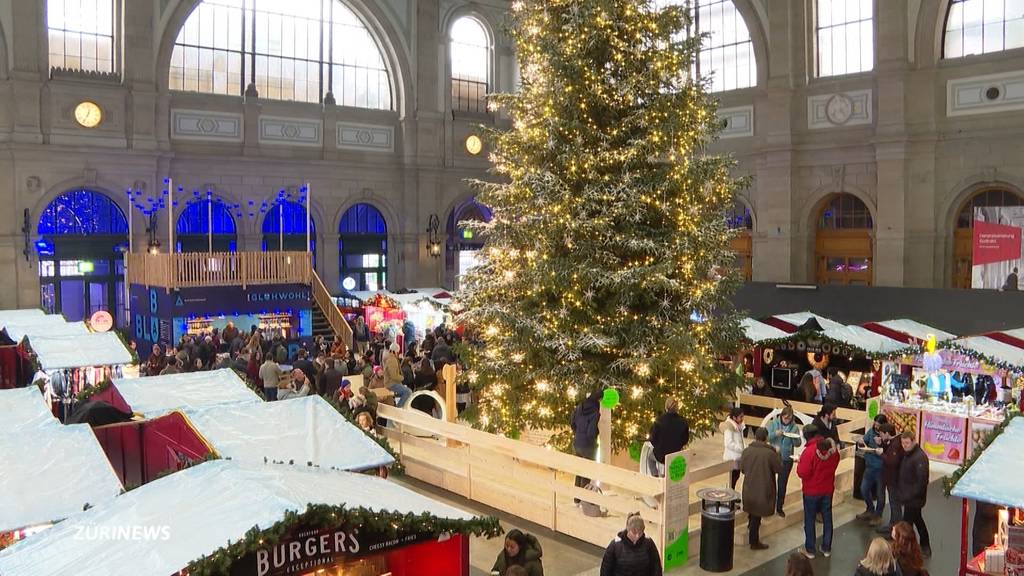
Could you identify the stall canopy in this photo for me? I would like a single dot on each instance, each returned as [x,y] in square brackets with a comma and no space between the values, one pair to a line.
[908,331]
[17,331]
[50,473]
[989,350]
[154,396]
[201,509]
[11,316]
[306,431]
[792,322]
[864,340]
[757,331]
[23,409]
[995,476]
[95,349]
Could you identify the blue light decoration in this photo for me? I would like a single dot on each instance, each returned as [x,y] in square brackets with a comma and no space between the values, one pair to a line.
[293,219]
[82,212]
[362,219]
[194,219]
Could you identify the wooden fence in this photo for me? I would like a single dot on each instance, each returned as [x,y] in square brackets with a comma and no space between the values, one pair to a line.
[203,269]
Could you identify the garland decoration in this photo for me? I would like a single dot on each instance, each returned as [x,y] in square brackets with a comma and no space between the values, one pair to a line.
[835,347]
[984,358]
[324,516]
[87,393]
[949,482]
[397,469]
[381,300]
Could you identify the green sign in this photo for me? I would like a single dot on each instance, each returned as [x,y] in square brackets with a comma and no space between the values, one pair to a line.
[85,267]
[677,553]
[677,469]
[467,234]
[610,398]
[873,408]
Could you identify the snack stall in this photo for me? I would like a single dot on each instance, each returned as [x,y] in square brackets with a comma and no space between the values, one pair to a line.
[754,333]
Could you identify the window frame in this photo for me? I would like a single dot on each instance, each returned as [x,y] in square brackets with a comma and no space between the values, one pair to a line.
[963,56]
[116,57]
[815,45]
[489,83]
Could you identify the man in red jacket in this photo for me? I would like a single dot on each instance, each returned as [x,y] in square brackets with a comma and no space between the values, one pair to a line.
[817,470]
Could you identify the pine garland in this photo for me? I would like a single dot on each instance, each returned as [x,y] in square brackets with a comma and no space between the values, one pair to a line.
[846,348]
[949,482]
[87,393]
[984,358]
[324,516]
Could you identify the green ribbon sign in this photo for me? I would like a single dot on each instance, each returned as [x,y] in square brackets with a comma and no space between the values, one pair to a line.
[677,469]
[610,398]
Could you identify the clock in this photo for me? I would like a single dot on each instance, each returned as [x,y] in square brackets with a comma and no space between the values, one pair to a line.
[839,109]
[88,114]
[473,144]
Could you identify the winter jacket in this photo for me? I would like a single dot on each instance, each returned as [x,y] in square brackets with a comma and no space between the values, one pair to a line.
[622,557]
[892,457]
[828,431]
[528,558]
[912,484]
[783,444]
[669,434]
[392,370]
[872,461]
[862,571]
[817,471]
[584,425]
[760,465]
[733,439]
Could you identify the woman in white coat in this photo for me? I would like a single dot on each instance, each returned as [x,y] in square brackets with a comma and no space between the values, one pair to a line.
[732,432]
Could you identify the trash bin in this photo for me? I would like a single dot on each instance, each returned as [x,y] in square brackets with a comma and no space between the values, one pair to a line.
[717,528]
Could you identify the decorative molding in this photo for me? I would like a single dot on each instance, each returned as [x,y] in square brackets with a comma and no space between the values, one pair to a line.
[291,131]
[366,137]
[738,122]
[839,109]
[34,184]
[985,94]
[206,125]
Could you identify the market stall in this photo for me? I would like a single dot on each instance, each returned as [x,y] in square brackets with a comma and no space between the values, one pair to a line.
[15,368]
[16,332]
[154,396]
[278,520]
[993,477]
[791,323]
[754,333]
[908,331]
[24,409]
[70,364]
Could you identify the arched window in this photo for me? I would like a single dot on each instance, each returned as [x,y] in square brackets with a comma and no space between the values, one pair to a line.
[464,243]
[844,245]
[845,36]
[982,27]
[470,50]
[81,34]
[963,245]
[193,227]
[363,249]
[81,269]
[742,220]
[284,228]
[727,55]
[295,50]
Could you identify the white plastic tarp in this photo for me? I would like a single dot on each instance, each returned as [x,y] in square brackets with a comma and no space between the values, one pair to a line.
[798,318]
[23,409]
[154,396]
[995,476]
[916,329]
[1017,333]
[865,339]
[9,316]
[19,330]
[95,349]
[299,430]
[757,331]
[51,473]
[994,349]
[196,511]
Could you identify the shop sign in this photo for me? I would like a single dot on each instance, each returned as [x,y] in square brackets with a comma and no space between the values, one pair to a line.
[943,437]
[101,321]
[954,362]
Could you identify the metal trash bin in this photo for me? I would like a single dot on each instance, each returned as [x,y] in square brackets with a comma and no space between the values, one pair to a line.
[717,528]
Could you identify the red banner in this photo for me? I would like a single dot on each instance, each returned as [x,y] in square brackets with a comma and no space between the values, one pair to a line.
[995,243]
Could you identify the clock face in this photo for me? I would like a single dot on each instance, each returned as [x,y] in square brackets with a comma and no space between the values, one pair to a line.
[474,145]
[88,114]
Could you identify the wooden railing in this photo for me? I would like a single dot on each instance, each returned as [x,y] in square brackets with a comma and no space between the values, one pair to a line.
[200,270]
[323,299]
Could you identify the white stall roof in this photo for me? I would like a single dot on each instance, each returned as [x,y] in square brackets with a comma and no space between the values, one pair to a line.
[154,396]
[757,331]
[299,430]
[916,329]
[51,473]
[798,318]
[19,330]
[1017,333]
[96,349]
[201,509]
[993,348]
[995,476]
[23,409]
[865,339]
[8,316]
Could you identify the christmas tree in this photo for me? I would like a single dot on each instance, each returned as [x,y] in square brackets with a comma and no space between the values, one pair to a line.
[607,261]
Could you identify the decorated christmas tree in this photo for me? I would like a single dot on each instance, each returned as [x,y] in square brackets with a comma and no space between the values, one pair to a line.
[607,262]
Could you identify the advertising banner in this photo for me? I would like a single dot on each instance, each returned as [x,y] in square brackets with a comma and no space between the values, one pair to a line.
[996,247]
[944,437]
[980,429]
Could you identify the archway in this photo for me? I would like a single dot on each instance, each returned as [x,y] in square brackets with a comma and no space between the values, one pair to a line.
[284,228]
[363,248]
[963,251]
[193,227]
[843,245]
[463,243]
[81,267]
[742,221]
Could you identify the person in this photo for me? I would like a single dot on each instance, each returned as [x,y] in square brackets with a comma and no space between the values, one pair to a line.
[732,430]
[761,388]
[631,553]
[303,363]
[808,390]
[909,559]
[760,465]
[892,457]
[817,470]
[156,362]
[871,487]
[300,387]
[229,333]
[361,335]
[878,561]
[364,420]
[798,565]
[330,380]
[840,393]
[669,433]
[393,376]
[172,366]
[584,421]
[425,376]
[1011,281]
[517,571]
[520,550]
[270,375]
[441,353]
[820,386]
[912,488]
[825,422]
[781,430]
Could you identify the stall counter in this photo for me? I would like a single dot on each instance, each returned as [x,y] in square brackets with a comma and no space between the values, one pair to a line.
[945,432]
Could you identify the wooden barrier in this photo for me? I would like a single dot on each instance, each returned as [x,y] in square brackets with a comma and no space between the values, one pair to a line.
[202,269]
[854,419]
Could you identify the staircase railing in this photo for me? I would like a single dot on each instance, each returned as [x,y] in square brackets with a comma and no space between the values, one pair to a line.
[323,299]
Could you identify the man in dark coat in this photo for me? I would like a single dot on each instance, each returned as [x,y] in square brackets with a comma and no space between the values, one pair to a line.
[330,380]
[631,553]
[825,422]
[892,457]
[760,465]
[912,488]
[670,432]
[303,363]
[584,431]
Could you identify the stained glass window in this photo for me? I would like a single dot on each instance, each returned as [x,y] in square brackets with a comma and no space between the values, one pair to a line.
[982,27]
[82,212]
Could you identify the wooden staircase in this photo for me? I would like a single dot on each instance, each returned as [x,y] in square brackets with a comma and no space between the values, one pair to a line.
[327,319]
